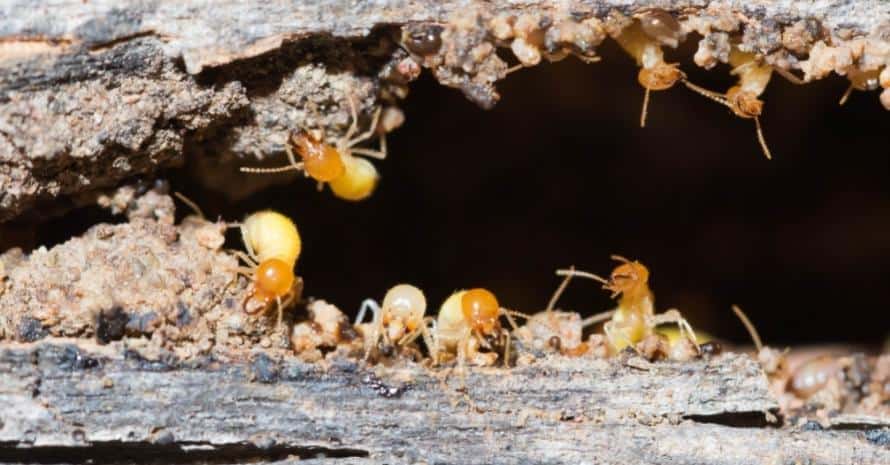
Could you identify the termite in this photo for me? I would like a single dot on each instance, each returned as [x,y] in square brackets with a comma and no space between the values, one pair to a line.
[469,320]
[634,319]
[642,40]
[553,329]
[773,362]
[744,98]
[805,380]
[350,177]
[273,245]
[813,375]
[396,322]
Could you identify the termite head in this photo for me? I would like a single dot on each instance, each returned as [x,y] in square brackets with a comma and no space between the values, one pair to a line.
[403,309]
[662,76]
[274,279]
[321,162]
[743,103]
[481,310]
[628,278]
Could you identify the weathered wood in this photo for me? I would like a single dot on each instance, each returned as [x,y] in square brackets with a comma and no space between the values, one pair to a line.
[65,398]
[184,366]
[212,33]
[92,93]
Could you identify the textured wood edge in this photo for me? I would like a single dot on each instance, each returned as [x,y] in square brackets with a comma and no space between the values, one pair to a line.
[68,398]
[215,33]
[94,93]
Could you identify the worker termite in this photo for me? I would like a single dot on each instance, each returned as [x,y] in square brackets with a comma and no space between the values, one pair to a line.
[397,322]
[635,319]
[557,330]
[743,98]
[642,39]
[273,245]
[814,375]
[774,362]
[325,330]
[468,322]
[350,177]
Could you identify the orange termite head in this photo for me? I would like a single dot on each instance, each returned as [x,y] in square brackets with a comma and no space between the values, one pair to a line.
[660,77]
[630,277]
[744,103]
[321,161]
[273,279]
[481,310]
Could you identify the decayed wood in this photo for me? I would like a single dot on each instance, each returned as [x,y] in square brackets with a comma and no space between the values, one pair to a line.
[76,397]
[211,33]
[95,92]
[184,366]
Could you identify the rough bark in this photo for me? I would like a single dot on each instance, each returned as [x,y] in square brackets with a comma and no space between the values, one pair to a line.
[94,93]
[75,400]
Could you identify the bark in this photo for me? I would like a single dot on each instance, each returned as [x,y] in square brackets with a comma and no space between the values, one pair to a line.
[94,93]
[162,364]
[75,401]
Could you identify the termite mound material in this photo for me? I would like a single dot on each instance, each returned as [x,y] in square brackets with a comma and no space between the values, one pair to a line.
[94,95]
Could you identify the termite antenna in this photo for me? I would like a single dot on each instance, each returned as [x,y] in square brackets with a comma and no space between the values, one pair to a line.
[194,206]
[709,94]
[279,169]
[513,69]
[789,76]
[619,258]
[582,274]
[846,95]
[645,110]
[761,139]
[598,318]
[749,326]
[559,290]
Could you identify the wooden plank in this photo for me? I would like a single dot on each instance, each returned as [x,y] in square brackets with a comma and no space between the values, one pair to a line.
[75,397]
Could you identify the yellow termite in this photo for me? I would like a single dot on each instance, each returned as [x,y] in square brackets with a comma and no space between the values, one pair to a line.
[642,40]
[350,177]
[273,245]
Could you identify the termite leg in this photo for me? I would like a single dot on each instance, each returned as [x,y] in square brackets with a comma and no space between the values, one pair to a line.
[673,316]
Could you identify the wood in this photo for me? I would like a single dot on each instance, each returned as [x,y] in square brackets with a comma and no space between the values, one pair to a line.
[96,93]
[92,93]
[74,399]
